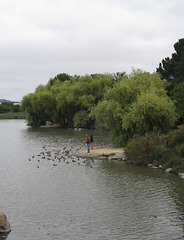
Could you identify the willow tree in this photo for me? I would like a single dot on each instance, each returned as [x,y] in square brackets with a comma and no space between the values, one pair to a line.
[135,105]
[65,104]
[76,97]
[39,106]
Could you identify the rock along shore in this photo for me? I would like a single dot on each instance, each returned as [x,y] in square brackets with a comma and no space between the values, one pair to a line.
[4,224]
[102,153]
[115,154]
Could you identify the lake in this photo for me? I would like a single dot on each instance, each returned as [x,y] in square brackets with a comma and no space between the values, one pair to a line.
[46,193]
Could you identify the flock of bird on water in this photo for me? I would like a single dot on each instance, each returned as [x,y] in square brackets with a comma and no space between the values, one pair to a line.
[56,156]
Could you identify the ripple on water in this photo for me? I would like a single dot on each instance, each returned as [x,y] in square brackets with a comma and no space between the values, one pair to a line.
[111,200]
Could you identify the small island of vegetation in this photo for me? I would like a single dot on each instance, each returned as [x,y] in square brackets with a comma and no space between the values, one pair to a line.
[142,110]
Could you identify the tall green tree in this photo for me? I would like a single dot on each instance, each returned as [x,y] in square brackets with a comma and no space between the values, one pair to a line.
[28,107]
[4,108]
[76,97]
[9,107]
[136,105]
[172,69]
[60,77]
[67,100]
[66,104]
[39,106]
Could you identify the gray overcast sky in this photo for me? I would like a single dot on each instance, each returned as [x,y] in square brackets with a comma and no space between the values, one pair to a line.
[42,38]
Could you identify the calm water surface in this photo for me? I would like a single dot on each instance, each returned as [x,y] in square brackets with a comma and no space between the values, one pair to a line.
[77,199]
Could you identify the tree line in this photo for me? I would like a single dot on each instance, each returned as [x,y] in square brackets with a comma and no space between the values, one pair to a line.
[67,100]
[6,107]
[126,104]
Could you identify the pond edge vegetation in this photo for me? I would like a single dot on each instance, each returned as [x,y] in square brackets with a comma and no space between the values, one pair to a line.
[141,110]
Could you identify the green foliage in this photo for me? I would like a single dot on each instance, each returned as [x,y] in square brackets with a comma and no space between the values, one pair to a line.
[136,105]
[40,106]
[174,138]
[181,149]
[153,149]
[67,100]
[174,156]
[170,139]
[62,77]
[127,105]
[16,108]
[147,112]
[171,159]
[6,107]
[172,69]
[177,95]
[13,115]
[146,149]
[81,119]
[118,76]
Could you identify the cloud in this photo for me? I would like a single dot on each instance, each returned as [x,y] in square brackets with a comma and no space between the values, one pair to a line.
[41,38]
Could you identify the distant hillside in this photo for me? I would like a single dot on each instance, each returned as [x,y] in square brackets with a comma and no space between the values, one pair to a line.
[4,100]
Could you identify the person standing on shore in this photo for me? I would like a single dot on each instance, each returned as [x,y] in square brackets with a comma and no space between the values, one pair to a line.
[91,139]
[88,143]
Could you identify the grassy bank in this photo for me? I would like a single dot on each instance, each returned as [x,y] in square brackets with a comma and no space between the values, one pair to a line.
[12,115]
[165,150]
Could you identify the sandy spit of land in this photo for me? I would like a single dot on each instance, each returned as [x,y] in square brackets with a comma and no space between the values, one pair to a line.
[100,152]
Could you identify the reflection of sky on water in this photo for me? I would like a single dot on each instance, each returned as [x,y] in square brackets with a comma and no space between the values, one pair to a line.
[79,199]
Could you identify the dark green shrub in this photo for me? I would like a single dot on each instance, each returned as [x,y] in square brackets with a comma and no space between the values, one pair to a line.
[145,150]
[176,163]
[171,159]
[181,149]
[166,150]
[180,136]
[174,138]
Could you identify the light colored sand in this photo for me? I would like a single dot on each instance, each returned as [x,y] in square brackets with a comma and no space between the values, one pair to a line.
[98,152]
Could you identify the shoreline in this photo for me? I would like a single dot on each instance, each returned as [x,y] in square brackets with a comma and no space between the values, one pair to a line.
[117,154]
[102,153]
[51,126]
